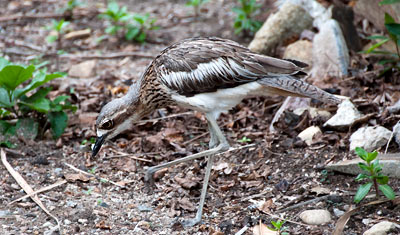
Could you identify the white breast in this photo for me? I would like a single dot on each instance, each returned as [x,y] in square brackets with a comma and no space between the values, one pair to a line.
[221,100]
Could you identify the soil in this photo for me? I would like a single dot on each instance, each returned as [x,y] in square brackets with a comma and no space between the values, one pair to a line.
[278,171]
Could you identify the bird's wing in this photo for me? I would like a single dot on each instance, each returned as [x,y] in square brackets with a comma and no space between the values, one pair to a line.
[207,64]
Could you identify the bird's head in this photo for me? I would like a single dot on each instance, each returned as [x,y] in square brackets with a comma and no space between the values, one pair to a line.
[115,117]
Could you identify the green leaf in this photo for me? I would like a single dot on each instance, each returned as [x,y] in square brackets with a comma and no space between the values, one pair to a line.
[361,153]
[141,37]
[5,99]
[58,123]
[41,105]
[3,63]
[374,37]
[362,192]
[372,156]
[386,2]
[39,79]
[132,33]
[363,166]
[361,177]
[376,45]
[27,128]
[382,179]
[389,19]
[51,38]
[112,29]
[12,76]
[113,7]
[393,28]
[387,191]
[60,99]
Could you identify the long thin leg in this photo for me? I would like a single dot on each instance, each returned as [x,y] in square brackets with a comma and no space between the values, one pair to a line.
[217,137]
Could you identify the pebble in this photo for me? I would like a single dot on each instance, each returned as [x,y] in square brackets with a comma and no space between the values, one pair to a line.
[380,228]
[47,224]
[67,222]
[338,212]
[82,221]
[144,208]
[315,217]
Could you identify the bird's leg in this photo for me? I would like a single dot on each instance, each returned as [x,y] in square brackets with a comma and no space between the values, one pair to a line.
[213,137]
[223,143]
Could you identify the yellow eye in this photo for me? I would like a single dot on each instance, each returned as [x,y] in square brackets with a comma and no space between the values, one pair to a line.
[107,125]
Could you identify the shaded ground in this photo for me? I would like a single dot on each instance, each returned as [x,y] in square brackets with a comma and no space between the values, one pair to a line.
[279,169]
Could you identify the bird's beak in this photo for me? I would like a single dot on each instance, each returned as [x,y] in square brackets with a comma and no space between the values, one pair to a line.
[99,141]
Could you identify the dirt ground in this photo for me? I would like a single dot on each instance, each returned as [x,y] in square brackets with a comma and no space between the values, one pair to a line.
[278,171]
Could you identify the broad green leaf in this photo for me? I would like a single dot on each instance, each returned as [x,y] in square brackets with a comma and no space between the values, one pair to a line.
[393,28]
[386,2]
[60,99]
[5,100]
[389,19]
[27,128]
[3,63]
[58,123]
[132,33]
[382,179]
[372,156]
[39,79]
[51,38]
[361,153]
[141,37]
[113,7]
[363,166]
[41,105]
[387,191]
[362,192]
[112,29]
[4,112]
[13,75]
[40,94]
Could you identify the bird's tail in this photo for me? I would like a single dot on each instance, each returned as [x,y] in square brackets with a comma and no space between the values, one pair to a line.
[288,85]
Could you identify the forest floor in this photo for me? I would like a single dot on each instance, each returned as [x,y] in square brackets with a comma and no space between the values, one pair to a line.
[278,171]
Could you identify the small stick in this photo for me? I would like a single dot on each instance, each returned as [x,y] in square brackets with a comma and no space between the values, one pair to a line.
[97,177]
[303,204]
[56,184]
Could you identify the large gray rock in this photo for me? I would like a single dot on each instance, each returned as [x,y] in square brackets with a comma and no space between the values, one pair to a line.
[380,228]
[370,138]
[330,53]
[300,50]
[288,22]
[391,165]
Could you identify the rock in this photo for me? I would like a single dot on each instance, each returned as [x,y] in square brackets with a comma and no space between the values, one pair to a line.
[330,53]
[82,221]
[289,21]
[371,10]
[320,190]
[144,208]
[300,50]
[47,224]
[345,116]
[394,108]
[314,112]
[380,228]
[391,165]
[83,70]
[315,217]
[308,134]
[370,138]
[338,212]
[396,132]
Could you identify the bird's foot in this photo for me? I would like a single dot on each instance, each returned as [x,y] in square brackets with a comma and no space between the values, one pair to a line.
[190,222]
[149,179]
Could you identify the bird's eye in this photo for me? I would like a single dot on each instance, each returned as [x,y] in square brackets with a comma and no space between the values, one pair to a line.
[107,125]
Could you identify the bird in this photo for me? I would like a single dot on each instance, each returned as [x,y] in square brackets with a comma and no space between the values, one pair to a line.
[210,75]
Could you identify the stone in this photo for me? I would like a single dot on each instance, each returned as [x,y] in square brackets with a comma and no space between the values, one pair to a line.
[330,53]
[394,108]
[396,133]
[300,50]
[370,138]
[315,217]
[345,116]
[83,70]
[391,165]
[314,112]
[288,22]
[308,134]
[381,228]
[338,212]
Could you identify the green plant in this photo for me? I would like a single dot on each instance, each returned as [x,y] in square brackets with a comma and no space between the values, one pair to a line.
[373,167]
[244,140]
[89,191]
[92,140]
[278,227]
[244,14]
[133,26]
[59,28]
[196,4]
[93,170]
[393,29]
[71,5]
[22,98]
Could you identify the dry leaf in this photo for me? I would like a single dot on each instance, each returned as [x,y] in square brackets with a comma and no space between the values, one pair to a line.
[102,225]
[262,229]
[185,204]
[76,176]
[186,183]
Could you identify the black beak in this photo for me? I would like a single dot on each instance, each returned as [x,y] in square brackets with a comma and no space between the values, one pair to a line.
[99,142]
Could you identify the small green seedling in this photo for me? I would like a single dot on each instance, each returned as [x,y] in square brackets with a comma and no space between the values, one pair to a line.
[89,191]
[393,29]
[278,227]
[373,167]
[244,140]
[196,4]
[93,170]
[92,140]
[23,97]
[59,28]
[244,13]
[132,26]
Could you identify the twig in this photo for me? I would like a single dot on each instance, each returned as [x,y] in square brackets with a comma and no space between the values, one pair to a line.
[44,16]
[195,138]
[236,148]
[97,177]
[27,188]
[40,191]
[315,200]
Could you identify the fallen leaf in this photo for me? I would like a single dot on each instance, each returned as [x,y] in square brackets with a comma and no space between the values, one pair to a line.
[77,176]
[186,183]
[262,229]
[320,190]
[185,204]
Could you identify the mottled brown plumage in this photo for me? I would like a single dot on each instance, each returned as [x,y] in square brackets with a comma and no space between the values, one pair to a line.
[210,75]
